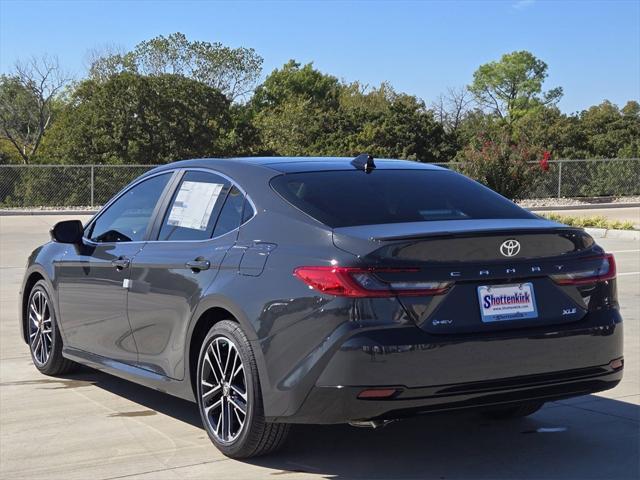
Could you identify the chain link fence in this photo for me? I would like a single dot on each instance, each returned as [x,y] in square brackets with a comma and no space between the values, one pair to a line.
[26,186]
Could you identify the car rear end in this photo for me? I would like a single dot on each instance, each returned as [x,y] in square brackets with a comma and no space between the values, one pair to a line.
[452,296]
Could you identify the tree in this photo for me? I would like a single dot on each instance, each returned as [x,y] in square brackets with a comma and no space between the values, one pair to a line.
[294,110]
[302,111]
[135,119]
[502,163]
[396,125]
[611,132]
[233,71]
[451,108]
[512,86]
[27,103]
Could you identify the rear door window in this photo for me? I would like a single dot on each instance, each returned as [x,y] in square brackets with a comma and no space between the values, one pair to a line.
[195,207]
[231,214]
[350,198]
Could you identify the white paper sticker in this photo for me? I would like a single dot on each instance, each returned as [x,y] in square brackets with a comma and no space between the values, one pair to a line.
[193,205]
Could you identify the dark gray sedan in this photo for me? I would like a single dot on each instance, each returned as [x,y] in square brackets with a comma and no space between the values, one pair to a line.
[274,291]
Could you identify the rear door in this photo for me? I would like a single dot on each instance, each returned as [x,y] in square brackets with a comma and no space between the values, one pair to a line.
[199,225]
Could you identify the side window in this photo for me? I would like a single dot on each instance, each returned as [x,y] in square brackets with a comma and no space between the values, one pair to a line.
[231,214]
[248,211]
[195,206]
[126,219]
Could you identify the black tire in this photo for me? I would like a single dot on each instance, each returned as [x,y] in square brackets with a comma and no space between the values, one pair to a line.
[255,436]
[51,363]
[517,410]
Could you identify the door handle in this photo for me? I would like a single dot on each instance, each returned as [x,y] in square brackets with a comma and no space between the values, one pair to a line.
[120,263]
[198,264]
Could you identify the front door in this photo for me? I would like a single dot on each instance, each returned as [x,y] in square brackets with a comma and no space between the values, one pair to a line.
[92,278]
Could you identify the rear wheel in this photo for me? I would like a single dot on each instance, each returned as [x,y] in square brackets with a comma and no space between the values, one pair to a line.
[45,341]
[517,410]
[229,396]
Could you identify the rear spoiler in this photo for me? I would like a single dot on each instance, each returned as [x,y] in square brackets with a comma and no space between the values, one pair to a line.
[470,233]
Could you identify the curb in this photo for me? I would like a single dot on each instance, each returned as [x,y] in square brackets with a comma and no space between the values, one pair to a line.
[607,233]
[594,206]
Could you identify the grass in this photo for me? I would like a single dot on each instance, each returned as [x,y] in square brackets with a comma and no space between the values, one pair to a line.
[597,221]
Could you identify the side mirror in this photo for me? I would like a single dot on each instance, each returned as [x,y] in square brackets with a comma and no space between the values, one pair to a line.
[68,231]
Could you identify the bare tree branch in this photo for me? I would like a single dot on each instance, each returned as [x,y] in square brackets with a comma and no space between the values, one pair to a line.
[26,98]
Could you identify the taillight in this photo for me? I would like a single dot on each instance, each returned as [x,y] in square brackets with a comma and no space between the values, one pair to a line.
[362,282]
[605,269]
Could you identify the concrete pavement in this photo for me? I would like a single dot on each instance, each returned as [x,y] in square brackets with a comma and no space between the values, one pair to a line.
[94,426]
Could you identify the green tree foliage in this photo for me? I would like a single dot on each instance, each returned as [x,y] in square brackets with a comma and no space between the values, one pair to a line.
[295,110]
[301,111]
[512,87]
[611,132]
[233,71]
[135,119]
[601,131]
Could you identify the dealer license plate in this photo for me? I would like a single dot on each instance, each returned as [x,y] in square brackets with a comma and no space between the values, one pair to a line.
[500,303]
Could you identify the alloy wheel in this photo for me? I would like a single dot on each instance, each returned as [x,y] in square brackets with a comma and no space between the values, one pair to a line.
[223,388]
[40,328]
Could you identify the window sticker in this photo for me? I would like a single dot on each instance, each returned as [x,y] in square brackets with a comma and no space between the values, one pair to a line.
[193,205]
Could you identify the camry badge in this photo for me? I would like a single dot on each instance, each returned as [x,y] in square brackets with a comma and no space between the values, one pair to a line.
[510,248]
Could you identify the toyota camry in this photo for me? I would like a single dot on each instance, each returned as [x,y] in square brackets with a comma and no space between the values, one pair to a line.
[276,291]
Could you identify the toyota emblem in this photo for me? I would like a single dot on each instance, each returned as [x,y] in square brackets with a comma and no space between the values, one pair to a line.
[510,248]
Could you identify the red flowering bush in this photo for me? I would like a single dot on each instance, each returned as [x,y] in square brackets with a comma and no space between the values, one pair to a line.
[502,164]
[544,161]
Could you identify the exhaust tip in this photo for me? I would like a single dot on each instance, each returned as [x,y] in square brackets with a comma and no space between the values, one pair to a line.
[370,423]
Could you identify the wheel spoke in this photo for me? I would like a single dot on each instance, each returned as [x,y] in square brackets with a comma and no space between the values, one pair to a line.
[38,348]
[216,376]
[212,406]
[226,363]
[237,371]
[216,356]
[218,423]
[227,418]
[240,421]
[242,394]
[39,304]
[237,406]
[207,394]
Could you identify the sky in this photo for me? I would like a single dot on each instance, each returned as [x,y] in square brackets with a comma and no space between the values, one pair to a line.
[420,47]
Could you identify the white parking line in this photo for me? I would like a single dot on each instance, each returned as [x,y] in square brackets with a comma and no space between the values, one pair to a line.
[624,251]
[628,273]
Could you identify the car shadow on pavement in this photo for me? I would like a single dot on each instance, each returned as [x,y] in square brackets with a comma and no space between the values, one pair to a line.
[155,401]
[586,437]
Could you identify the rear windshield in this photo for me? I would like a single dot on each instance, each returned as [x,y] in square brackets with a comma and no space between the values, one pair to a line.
[350,198]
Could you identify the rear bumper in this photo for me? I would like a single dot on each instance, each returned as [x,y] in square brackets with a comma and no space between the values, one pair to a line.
[446,372]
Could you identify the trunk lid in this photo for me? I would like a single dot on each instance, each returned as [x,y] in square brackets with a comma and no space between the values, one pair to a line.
[479,256]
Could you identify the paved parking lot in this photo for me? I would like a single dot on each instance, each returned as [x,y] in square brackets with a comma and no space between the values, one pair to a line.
[94,426]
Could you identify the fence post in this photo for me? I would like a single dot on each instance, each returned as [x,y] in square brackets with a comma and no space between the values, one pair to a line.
[559,178]
[92,182]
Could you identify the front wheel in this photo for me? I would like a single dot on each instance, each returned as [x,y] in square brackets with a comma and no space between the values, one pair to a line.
[229,396]
[45,341]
